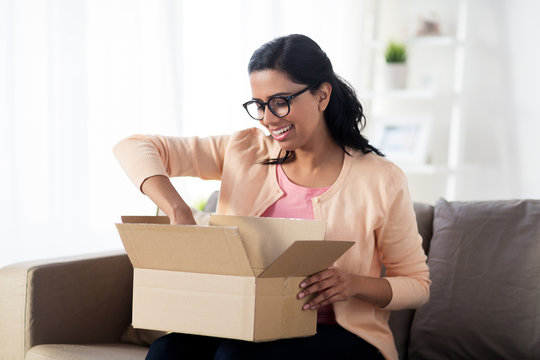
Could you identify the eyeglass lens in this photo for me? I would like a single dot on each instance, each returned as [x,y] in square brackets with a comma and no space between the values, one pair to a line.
[278,106]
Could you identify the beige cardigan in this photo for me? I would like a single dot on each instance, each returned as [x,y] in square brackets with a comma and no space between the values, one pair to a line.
[369,203]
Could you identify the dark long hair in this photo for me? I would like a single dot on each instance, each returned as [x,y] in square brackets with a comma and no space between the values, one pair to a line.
[306,63]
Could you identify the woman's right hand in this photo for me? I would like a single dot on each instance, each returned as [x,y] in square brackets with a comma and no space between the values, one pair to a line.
[182,216]
[160,190]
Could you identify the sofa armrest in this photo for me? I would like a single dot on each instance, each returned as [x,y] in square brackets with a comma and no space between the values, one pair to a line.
[71,300]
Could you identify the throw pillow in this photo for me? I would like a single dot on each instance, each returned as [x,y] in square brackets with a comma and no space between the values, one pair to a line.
[484,260]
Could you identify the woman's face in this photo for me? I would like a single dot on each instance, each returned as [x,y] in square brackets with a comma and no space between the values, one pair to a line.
[303,127]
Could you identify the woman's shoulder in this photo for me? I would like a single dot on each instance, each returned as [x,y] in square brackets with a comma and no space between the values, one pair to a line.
[251,134]
[252,138]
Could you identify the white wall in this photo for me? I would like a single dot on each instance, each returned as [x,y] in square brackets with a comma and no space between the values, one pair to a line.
[77,76]
[498,152]
[501,151]
[524,96]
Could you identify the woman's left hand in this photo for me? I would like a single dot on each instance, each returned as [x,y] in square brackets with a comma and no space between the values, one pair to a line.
[330,285]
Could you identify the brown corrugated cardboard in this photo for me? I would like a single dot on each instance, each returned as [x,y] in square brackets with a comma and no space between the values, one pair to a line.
[267,238]
[237,278]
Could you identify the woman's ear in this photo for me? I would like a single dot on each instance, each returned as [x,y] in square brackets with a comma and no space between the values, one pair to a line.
[324,91]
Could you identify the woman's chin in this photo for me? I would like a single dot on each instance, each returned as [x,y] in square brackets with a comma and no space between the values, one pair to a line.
[287,147]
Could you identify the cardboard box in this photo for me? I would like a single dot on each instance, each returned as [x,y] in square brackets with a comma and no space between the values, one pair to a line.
[237,278]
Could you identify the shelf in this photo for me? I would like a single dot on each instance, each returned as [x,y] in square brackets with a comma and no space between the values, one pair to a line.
[426,93]
[424,169]
[436,70]
[435,41]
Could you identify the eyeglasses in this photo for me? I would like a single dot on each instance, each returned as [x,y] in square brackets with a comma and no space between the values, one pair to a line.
[278,105]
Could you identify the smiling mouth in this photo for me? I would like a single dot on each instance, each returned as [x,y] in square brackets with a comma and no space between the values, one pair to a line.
[280,132]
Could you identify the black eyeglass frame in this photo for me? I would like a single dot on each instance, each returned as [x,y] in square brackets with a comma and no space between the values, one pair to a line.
[286,98]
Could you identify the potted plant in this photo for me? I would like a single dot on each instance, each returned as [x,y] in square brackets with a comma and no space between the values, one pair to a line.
[396,68]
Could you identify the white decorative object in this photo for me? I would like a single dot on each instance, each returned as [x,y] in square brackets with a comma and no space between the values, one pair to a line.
[395,56]
[396,76]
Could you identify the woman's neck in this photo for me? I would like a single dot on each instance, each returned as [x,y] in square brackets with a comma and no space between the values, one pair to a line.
[319,168]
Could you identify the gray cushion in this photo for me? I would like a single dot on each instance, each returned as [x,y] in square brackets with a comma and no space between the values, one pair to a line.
[484,261]
[211,204]
[84,299]
[424,220]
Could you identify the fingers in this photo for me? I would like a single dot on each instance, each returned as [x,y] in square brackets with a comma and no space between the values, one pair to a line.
[322,275]
[319,301]
[328,293]
[318,287]
[328,286]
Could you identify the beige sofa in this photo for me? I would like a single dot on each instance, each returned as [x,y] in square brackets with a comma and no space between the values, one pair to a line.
[483,258]
[70,308]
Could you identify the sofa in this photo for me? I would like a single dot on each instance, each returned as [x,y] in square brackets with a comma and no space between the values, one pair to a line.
[484,259]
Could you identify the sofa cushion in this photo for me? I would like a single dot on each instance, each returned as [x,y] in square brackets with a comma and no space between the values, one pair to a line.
[485,271]
[84,298]
[87,352]
[424,220]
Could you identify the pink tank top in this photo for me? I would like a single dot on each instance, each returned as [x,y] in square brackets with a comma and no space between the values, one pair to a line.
[296,204]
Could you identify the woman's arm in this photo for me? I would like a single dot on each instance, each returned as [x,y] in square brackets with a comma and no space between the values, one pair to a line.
[150,160]
[406,284]
[400,247]
[160,190]
[144,156]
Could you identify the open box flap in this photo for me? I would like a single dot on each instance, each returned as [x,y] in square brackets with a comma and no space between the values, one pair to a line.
[304,258]
[267,238]
[146,220]
[188,248]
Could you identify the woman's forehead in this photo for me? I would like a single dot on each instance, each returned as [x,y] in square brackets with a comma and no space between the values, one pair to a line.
[266,83]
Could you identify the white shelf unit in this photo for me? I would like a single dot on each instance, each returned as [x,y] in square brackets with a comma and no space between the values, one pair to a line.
[435,68]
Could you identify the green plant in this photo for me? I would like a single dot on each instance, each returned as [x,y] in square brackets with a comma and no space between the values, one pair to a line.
[200,204]
[395,52]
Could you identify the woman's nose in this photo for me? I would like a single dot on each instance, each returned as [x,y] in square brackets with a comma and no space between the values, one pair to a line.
[269,117]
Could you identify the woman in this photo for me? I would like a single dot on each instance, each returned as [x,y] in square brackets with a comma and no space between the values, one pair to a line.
[314,165]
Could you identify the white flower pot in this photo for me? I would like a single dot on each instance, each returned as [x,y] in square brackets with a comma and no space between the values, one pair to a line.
[396,75]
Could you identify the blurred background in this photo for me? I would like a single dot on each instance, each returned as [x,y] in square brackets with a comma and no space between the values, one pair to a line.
[461,117]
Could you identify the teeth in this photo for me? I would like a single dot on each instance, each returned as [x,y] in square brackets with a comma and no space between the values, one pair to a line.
[281,131]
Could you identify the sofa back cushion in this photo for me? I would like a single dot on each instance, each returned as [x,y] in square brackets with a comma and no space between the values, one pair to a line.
[484,261]
[424,220]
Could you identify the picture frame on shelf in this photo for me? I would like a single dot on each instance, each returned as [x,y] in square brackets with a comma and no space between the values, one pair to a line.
[404,139]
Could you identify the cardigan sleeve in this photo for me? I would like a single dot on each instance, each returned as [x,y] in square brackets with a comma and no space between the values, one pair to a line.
[143,156]
[400,247]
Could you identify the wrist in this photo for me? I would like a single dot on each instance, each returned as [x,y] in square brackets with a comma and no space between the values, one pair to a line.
[180,213]
[376,291]
[357,285]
